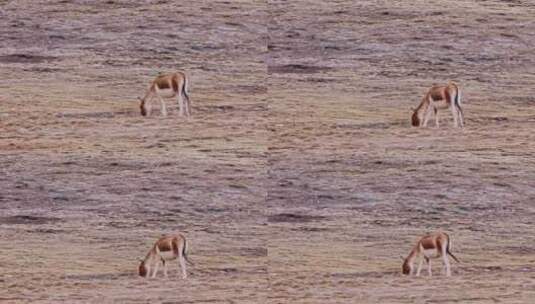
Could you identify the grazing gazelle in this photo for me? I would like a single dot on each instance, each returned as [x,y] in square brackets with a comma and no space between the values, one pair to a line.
[168,85]
[432,245]
[439,97]
[166,248]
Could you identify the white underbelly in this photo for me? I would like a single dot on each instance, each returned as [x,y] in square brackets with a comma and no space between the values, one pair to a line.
[440,104]
[166,93]
[431,253]
[167,255]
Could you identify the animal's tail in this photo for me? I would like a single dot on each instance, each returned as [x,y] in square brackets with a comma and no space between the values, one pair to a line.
[457,102]
[458,97]
[449,252]
[185,254]
[185,88]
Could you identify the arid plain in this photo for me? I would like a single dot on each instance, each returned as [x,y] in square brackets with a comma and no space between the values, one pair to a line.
[298,179]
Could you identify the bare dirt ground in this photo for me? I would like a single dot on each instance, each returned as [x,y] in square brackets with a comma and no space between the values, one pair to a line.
[298,179]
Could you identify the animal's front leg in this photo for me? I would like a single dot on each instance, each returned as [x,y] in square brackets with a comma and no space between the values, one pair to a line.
[419,267]
[436,119]
[427,116]
[148,106]
[164,109]
[429,267]
[155,269]
[162,102]
[164,268]
[147,274]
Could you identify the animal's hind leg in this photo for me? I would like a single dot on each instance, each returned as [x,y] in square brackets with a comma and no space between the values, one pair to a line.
[461,115]
[447,265]
[428,260]
[182,263]
[436,118]
[444,254]
[181,104]
[455,113]
[188,105]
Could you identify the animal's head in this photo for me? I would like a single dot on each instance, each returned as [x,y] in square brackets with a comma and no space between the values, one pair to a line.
[406,267]
[142,269]
[415,119]
[142,107]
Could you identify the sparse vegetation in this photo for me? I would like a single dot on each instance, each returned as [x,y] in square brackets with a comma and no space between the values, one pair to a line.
[298,178]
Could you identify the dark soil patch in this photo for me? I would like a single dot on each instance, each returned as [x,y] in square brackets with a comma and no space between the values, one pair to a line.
[27,219]
[25,58]
[296,69]
[293,218]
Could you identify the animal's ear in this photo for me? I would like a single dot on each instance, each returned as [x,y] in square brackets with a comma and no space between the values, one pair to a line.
[139,98]
[412,109]
[401,258]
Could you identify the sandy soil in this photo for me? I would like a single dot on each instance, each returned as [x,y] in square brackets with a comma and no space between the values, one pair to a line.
[297,180]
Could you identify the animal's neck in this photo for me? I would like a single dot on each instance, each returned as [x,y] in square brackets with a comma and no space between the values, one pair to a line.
[410,258]
[422,108]
[149,91]
[419,113]
[150,256]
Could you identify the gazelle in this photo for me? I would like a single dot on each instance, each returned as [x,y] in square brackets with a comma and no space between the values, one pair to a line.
[439,97]
[168,85]
[166,248]
[432,245]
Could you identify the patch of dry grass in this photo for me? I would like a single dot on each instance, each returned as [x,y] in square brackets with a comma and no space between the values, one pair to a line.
[297,180]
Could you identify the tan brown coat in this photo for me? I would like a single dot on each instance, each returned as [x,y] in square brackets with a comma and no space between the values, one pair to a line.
[438,98]
[166,248]
[167,85]
[432,245]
